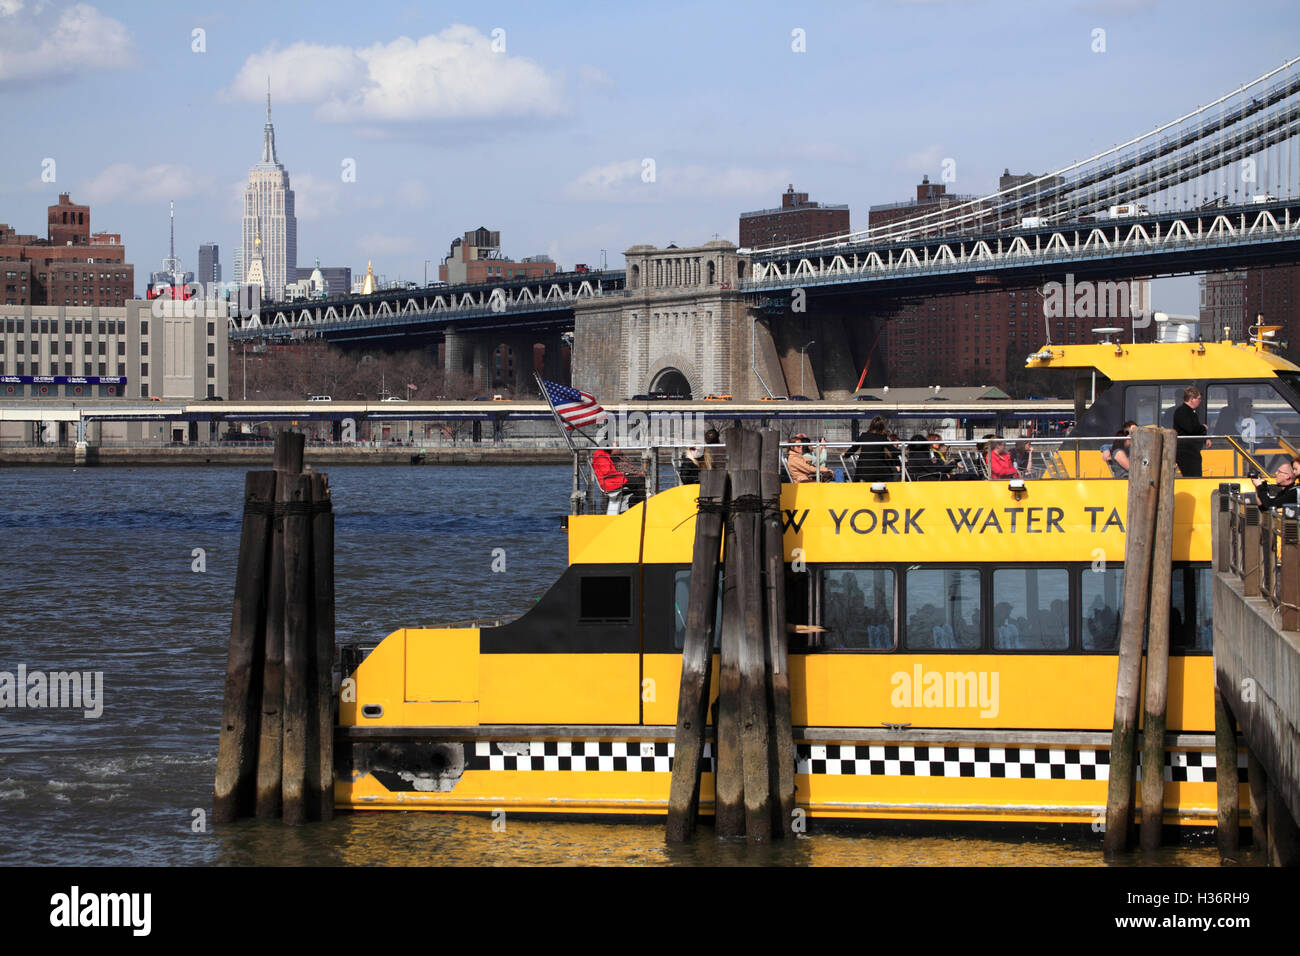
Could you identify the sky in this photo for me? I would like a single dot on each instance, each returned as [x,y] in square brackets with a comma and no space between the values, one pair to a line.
[580,127]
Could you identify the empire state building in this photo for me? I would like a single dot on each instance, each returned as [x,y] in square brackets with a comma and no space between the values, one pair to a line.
[269,241]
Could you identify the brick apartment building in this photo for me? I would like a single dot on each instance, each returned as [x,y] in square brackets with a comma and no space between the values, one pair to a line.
[795,220]
[1234,298]
[70,267]
[978,338]
[476,257]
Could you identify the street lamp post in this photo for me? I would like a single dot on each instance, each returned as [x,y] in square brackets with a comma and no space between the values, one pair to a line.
[426,272]
[804,364]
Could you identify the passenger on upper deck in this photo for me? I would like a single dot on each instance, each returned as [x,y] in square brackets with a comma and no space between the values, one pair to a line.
[1188,425]
[1283,493]
[1000,463]
[629,463]
[1116,454]
[800,468]
[611,481]
[689,469]
[877,459]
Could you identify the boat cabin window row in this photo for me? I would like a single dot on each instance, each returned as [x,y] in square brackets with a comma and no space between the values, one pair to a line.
[1055,609]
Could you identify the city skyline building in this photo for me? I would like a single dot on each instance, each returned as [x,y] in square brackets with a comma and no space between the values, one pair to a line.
[269,237]
[71,266]
[209,263]
[795,220]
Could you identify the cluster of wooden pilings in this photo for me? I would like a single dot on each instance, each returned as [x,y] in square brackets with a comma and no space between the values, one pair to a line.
[276,752]
[753,741]
[1148,572]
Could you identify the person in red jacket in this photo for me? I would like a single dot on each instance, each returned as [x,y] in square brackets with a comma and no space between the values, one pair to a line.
[1000,463]
[611,481]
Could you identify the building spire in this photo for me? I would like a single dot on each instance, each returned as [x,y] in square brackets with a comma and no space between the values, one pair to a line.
[268,133]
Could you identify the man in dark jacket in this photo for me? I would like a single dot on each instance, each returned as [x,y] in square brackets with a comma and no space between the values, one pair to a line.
[1283,493]
[1188,424]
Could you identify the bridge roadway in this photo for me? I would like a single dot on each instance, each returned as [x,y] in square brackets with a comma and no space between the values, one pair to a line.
[1134,247]
[210,411]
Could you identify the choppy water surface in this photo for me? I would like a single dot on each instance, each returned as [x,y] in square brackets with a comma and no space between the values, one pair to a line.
[96,575]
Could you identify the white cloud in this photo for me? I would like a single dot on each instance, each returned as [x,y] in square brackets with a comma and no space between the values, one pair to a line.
[412,192]
[35,46]
[452,75]
[622,181]
[143,184]
[595,79]
[925,160]
[316,197]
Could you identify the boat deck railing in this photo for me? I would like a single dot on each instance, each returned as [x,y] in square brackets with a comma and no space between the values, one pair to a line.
[1262,548]
[649,469]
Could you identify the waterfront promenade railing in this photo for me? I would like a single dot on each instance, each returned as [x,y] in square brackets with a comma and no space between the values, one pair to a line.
[1261,547]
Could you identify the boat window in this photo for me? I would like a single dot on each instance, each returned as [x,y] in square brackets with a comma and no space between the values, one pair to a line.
[943,609]
[1100,594]
[858,608]
[1031,609]
[1153,404]
[1249,411]
[682,601]
[605,598]
[1190,624]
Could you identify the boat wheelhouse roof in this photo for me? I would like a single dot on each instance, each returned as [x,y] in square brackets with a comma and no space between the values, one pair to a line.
[1173,361]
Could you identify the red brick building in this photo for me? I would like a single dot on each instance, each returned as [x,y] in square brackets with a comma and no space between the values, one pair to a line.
[979,338]
[476,257]
[796,220]
[71,266]
[1233,299]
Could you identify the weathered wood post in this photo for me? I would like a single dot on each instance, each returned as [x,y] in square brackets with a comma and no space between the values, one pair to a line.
[781,742]
[320,766]
[1257,778]
[233,793]
[729,781]
[270,746]
[1144,473]
[697,659]
[293,495]
[746,510]
[1225,775]
[1157,689]
[1220,506]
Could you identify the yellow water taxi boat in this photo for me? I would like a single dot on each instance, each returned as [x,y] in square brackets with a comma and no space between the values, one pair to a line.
[956,647]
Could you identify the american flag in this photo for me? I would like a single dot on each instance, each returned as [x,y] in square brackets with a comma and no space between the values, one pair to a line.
[575,408]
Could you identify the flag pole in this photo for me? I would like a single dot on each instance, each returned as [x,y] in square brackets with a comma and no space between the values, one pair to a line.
[564,429]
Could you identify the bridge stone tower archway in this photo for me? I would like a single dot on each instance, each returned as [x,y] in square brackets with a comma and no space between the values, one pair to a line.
[681,316]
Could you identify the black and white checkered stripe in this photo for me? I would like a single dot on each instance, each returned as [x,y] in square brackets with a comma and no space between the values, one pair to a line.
[878,760]
[1012,763]
[587,755]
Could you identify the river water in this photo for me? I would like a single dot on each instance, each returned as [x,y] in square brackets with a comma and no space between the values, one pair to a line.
[97,573]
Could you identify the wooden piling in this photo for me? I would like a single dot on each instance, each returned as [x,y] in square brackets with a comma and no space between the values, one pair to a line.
[1144,474]
[1257,779]
[746,510]
[1283,835]
[1157,678]
[781,735]
[270,745]
[729,782]
[320,765]
[697,659]
[234,790]
[1225,775]
[293,495]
